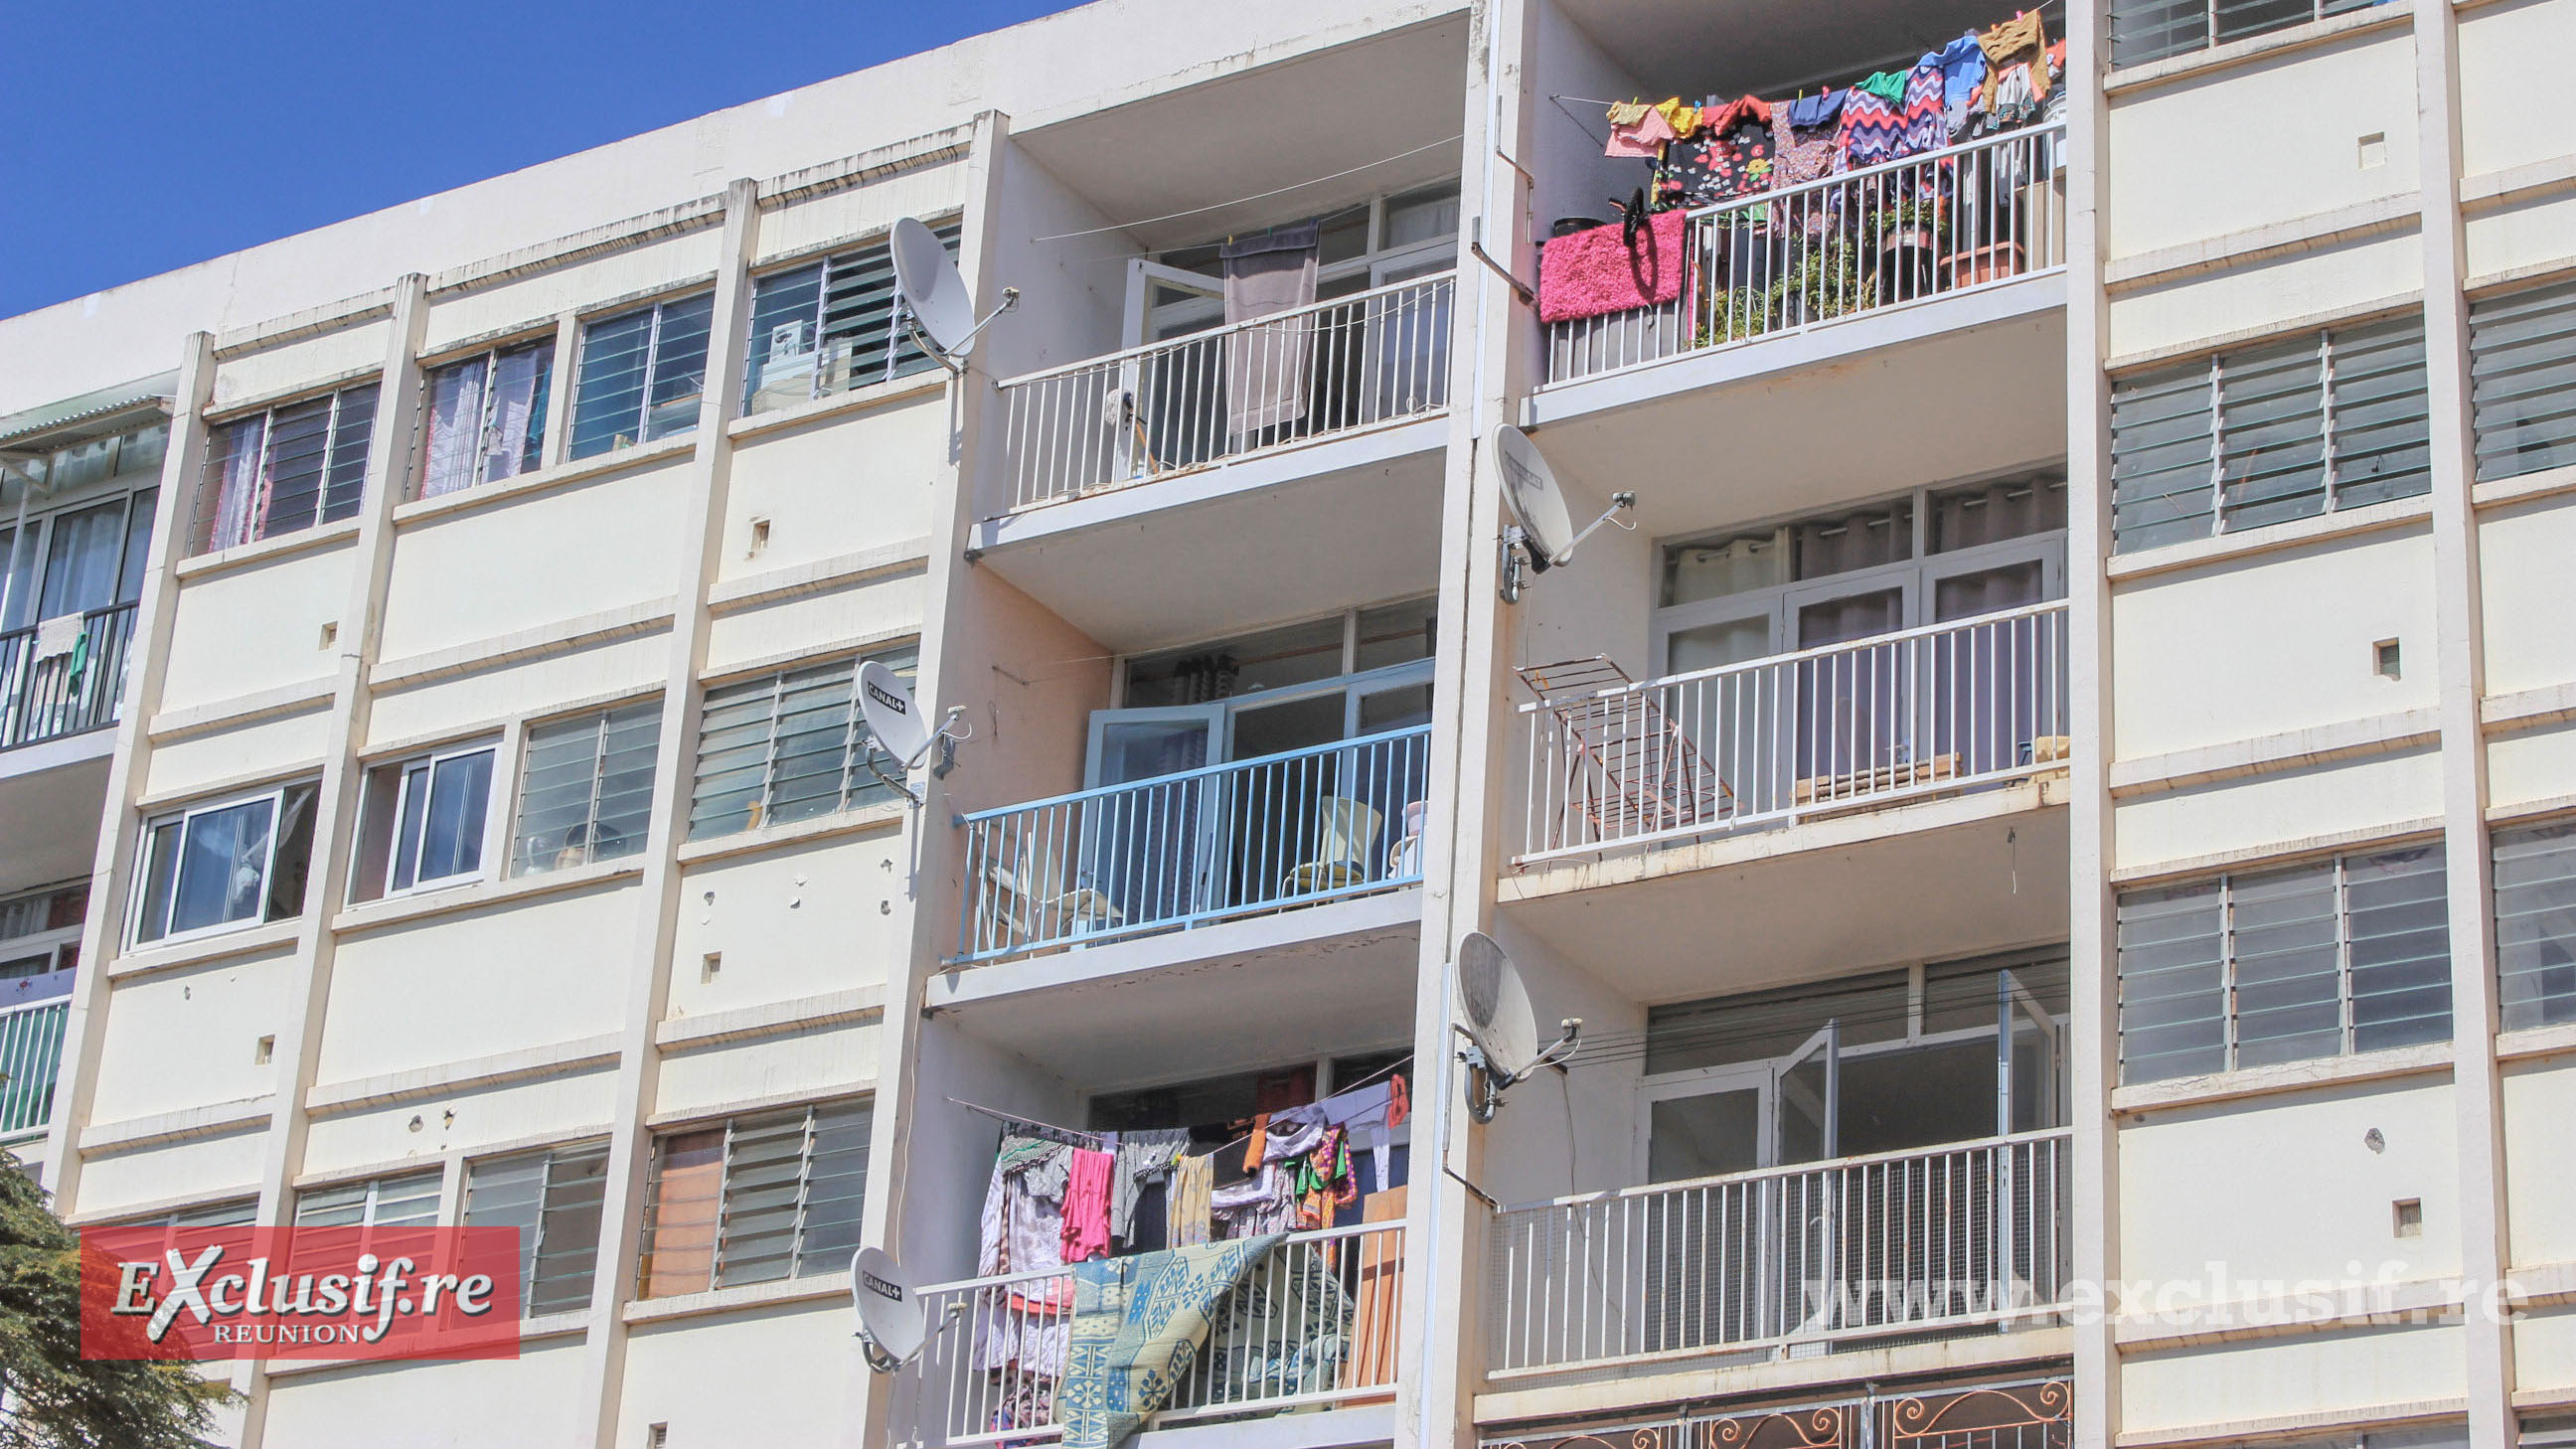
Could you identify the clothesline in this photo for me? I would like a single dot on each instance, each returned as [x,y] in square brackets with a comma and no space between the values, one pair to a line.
[1096,1139]
[1014,1119]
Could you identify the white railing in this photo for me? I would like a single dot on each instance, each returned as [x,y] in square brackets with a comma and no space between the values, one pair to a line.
[1195,846]
[31,1053]
[1187,402]
[1313,1323]
[48,697]
[1945,221]
[1868,723]
[1964,1236]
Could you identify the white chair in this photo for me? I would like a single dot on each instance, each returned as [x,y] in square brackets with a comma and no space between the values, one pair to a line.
[1026,898]
[1343,829]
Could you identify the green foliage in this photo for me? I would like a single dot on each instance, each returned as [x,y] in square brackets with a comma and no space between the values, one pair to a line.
[56,1398]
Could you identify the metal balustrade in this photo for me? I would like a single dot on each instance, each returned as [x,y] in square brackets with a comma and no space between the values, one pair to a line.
[1871,722]
[31,1052]
[1203,845]
[1187,402]
[1314,1323]
[1861,1247]
[1942,222]
[75,690]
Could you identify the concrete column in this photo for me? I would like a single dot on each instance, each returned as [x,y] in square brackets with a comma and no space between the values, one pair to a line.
[2092,960]
[621,1217]
[129,770]
[942,675]
[335,806]
[2459,690]
[1440,1358]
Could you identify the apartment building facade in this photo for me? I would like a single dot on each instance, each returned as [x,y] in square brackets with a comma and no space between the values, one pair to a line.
[2050,805]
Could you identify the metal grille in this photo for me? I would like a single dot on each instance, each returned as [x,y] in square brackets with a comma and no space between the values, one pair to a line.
[2522,380]
[2346,955]
[1351,362]
[1202,845]
[1957,219]
[2023,1414]
[829,326]
[1917,712]
[2535,909]
[2288,430]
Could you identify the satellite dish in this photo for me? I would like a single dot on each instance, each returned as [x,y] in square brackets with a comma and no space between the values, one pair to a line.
[894,718]
[1501,1031]
[935,301]
[1542,535]
[893,1326]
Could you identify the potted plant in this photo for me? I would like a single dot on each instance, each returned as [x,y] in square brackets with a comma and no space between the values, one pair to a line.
[1909,241]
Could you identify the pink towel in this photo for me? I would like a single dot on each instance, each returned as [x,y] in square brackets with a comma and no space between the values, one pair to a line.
[1086,1204]
[1593,273]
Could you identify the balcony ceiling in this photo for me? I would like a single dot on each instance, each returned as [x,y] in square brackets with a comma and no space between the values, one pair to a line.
[1240,135]
[1730,47]
[1950,878]
[52,810]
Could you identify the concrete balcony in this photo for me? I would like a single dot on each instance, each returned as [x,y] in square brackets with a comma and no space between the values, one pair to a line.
[62,679]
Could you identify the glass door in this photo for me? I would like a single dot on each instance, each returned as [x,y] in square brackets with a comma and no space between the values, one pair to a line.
[2031,1060]
[1993,692]
[1853,708]
[1704,1246]
[1292,826]
[1148,849]
[1801,1214]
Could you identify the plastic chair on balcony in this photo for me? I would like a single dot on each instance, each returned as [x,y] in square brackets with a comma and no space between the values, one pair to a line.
[1343,829]
[1026,897]
[1631,766]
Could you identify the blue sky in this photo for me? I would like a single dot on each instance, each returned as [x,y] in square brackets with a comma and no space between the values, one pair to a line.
[135,138]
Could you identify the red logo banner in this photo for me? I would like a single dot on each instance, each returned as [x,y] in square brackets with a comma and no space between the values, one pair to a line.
[299,1293]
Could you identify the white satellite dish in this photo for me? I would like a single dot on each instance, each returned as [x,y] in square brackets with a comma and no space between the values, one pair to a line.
[894,1326]
[1542,535]
[894,718]
[1501,1031]
[935,301]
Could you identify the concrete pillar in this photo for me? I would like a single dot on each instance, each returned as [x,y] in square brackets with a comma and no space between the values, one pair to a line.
[621,1218]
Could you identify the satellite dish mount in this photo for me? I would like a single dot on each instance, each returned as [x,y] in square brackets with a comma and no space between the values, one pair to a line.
[1501,1048]
[894,719]
[1541,535]
[894,1326]
[936,307]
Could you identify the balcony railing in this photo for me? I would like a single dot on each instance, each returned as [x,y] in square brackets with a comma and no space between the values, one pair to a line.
[31,1051]
[1868,723]
[1202,845]
[71,690]
[1961,1237]
[1313,1324]
[1946,221]
[1333,367]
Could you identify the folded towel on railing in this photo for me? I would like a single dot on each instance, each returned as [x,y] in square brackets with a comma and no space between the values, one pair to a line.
[58,635]
[1595,272]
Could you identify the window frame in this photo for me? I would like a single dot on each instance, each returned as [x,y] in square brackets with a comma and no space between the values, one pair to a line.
[209,502]
[33,542]
[422,766]
[949,228]
[513,819]
[183,815]
[658,309]
[532,1252]
[2318,12]
[2348,1020]
[863,1106]
[2208,373]
[59,947]
[854,757]
[533,449]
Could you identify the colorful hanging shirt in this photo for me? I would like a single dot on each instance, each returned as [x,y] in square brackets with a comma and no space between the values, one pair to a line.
[1732,155]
